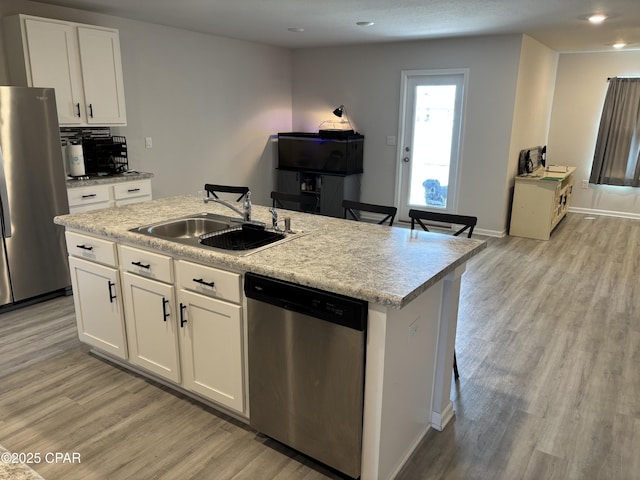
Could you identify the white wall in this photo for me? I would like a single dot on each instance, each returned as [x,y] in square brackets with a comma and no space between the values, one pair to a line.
[533,103]
[366,79]
[209,103]
[581,85]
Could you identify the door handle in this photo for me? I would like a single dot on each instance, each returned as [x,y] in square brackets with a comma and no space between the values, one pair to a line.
[78,109]
[91,110]
[141,265]
[5,213]
[111,295]
[165,302]
[203,282]
[182,319]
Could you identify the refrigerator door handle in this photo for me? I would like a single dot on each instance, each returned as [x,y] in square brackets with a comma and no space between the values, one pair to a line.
[5,216]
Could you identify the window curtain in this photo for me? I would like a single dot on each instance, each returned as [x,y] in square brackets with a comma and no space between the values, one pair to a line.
[616,159]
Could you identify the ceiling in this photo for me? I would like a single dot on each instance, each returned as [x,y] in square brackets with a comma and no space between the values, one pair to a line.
[559,24]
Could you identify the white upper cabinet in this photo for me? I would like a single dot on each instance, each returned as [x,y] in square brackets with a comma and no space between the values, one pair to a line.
[52,63]
[102,74]
[82,63]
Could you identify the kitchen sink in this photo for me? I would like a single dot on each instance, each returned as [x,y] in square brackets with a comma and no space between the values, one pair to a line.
[191,227]
[218,232]
[244,237]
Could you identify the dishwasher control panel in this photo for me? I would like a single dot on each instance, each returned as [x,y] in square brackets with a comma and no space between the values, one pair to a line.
[346,311]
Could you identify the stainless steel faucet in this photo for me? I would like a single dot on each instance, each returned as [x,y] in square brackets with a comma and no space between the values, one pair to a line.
[274,218]
[245,214]
[226,204]
[246,207]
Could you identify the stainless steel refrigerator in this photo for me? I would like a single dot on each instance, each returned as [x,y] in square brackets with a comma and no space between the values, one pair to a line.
[33,259]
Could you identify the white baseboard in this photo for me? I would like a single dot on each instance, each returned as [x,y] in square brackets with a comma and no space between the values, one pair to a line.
[440,420]
[604,213]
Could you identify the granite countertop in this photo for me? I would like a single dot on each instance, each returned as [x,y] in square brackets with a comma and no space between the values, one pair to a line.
[108,179]
[376,263]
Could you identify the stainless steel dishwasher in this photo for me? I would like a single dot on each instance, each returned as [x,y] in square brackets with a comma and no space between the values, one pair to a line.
[306,369]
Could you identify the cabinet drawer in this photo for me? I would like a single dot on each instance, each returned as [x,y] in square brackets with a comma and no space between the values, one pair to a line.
[148,264]
[208,281]
[88,195]
[125,190]
[91,248]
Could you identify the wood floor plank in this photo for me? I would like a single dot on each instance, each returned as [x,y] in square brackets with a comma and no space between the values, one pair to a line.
[548,347]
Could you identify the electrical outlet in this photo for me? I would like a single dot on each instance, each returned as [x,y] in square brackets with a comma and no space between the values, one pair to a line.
[148,142]
[585,183]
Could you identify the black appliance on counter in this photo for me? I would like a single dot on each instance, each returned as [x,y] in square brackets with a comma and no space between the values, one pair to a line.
[105,155]
[333,152]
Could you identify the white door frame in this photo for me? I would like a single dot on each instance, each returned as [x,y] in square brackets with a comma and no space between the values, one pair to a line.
[405,76]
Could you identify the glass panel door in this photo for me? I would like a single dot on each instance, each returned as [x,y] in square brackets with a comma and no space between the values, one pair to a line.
[430,136]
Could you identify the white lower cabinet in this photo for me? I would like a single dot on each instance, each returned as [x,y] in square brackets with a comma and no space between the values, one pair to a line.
[95,197]
[211,348]
[189,333]
[98,302]
[152,335]
[84,199]
[186,328]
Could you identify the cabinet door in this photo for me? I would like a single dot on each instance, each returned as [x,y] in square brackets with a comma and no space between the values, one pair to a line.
[97,298]
[102,76]
[127,193]
[332,196]
[288,182]
[211,348]
[53,63]
[84,199]
[151,321]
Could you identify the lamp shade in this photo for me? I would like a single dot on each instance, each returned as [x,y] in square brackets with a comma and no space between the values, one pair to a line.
[339,111]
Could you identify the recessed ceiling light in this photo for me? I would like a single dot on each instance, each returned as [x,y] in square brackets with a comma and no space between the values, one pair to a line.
[597,18]
[364,24]
[296,29]
[619,45]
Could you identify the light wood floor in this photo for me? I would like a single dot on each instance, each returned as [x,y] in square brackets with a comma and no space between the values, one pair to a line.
[548,348]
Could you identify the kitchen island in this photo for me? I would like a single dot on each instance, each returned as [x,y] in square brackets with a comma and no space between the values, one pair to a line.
[411,280]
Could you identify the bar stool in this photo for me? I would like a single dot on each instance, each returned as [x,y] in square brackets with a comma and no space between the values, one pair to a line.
[212,189]
[350,207]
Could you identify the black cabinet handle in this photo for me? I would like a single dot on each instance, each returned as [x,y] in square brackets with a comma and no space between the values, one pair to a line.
[165,302]
[141,265]
[78,109]
[182,319]
[91,110]
[203,282]
[111,295]
[133,190]
[91,195]
[84,247]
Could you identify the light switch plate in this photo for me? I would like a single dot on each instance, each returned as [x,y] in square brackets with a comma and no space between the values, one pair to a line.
[148,142]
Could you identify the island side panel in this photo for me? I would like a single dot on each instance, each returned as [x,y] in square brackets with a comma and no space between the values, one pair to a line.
[374,380]
[442,411]
[402,346]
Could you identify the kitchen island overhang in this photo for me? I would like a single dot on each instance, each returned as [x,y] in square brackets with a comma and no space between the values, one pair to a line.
[411,280]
